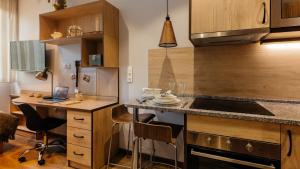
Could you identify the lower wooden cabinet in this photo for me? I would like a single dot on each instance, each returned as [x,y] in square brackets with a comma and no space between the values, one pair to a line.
[290,151]
[88,136]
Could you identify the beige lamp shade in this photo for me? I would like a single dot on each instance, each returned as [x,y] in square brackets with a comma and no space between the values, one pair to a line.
[168,39]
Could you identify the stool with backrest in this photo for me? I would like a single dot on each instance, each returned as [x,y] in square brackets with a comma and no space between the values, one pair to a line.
[157,131]
[120,115]
[35,123]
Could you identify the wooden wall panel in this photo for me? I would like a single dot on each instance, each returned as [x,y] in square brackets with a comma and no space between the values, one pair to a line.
[171,65]
[254,70]
[108,82]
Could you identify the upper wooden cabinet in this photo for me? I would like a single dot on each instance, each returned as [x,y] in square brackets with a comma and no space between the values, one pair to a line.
[100,25]
[226,15]
[290,152]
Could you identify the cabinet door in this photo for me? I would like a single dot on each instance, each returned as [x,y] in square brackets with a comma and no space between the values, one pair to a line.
[225,15]
[290,152]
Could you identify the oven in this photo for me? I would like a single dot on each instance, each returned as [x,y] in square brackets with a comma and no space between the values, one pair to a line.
[206,151]
[285,13]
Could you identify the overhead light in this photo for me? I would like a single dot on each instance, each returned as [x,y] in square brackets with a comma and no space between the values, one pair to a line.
[168,39]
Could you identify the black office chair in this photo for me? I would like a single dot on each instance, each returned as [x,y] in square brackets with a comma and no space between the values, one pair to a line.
[35,123]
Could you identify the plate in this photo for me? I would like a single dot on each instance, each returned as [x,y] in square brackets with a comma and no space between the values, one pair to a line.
[173,102]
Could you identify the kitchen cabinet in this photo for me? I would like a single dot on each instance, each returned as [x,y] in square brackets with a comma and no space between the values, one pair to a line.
[290,153]
[264,132]
[226,15]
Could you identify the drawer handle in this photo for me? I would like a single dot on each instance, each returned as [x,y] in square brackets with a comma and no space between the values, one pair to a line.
[74,135]
[77,154]
[78,119]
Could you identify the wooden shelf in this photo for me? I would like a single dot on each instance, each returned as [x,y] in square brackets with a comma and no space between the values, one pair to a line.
[76,11]
[97,36]
[99,22]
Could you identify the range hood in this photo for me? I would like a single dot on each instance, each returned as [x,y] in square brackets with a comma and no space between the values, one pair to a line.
[229,37]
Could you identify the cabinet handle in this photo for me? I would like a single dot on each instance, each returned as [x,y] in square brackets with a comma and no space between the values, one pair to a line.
[77,154]
[265,13]
[74,135]
[77,119]
[291,143]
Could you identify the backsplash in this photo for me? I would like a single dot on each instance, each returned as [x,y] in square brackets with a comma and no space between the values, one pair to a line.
[269,71]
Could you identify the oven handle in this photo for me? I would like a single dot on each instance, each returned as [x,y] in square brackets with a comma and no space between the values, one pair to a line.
[264,16]
[291,143]
[231,160]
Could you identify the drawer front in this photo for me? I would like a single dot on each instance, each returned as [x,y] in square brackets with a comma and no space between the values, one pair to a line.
[79,155]
[79,137]
[82,120]
[251,130]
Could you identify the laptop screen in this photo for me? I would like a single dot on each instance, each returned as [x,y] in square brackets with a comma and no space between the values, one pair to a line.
[61,92]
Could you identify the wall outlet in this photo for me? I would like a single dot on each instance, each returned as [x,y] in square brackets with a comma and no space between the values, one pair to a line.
[129,74]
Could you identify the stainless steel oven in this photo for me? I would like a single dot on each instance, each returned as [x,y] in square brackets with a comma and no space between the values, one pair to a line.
[285,13]
[206,151]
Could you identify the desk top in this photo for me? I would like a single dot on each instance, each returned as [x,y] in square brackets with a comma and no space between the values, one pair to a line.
[86,105]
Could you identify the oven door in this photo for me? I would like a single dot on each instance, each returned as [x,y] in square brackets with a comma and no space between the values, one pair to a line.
[207,158]
[285,13]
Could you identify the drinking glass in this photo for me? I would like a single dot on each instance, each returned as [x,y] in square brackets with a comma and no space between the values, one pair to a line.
[181,89]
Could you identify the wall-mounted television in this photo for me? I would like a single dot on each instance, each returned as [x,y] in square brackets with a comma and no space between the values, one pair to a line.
[28,56]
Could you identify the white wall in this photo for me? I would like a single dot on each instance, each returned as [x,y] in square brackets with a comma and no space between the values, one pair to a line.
[141,24]
[144,20]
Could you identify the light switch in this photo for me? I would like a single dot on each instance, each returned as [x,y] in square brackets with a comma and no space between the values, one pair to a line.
[68,66]
[129,74]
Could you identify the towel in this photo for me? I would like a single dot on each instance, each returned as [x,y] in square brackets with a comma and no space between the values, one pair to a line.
[8,126]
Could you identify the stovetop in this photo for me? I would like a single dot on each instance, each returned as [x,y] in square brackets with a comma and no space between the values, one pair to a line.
[237,106]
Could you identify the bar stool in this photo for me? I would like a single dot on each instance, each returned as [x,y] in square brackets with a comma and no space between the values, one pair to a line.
[120,115]
[157,131]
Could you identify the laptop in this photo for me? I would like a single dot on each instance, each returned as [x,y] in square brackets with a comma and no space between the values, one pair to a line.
[60,94]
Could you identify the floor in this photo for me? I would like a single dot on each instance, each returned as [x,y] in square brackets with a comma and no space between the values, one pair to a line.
[8,160]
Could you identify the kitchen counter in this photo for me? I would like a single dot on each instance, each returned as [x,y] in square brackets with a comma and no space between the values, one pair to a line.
[285,112]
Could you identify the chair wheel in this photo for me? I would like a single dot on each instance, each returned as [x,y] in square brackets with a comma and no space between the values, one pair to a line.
[22,159]
[41,162]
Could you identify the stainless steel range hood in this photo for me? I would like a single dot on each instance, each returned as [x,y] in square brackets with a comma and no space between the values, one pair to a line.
[229,37]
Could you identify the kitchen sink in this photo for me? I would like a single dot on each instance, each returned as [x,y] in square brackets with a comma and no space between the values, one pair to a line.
[226,105]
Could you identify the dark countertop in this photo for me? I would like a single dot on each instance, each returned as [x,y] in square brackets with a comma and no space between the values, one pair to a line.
[285,112]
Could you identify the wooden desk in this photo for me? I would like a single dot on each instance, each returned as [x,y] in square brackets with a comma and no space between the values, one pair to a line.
[89,128]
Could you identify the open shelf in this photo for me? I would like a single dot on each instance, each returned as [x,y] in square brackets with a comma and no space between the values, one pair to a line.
[99,22]
[97,36]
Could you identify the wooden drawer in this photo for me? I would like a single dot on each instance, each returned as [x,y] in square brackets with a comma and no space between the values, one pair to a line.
[79,137]
[79,155]
[82,120]
[251,130]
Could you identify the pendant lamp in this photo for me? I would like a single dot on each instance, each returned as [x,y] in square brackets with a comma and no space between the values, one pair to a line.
[168,39]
